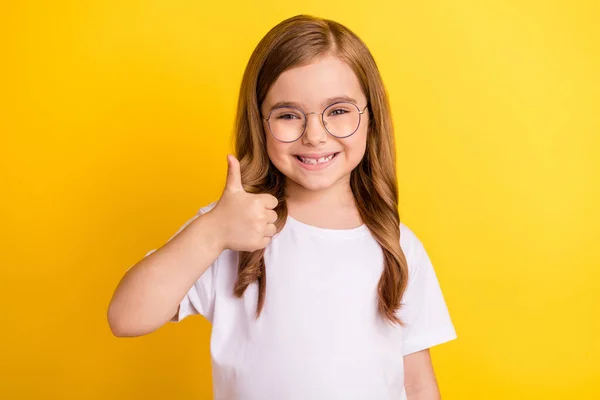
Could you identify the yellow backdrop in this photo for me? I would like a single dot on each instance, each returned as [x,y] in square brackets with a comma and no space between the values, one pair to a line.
[116,118]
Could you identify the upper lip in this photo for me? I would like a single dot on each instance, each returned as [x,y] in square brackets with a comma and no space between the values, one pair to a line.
[316,155]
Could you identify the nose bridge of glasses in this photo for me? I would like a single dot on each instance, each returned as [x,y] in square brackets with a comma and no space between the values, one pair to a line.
[317,133]
[314,112]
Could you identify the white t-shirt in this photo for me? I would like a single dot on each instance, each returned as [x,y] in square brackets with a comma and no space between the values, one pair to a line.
[319,335]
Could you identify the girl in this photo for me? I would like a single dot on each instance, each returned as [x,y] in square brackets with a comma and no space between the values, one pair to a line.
[314,288]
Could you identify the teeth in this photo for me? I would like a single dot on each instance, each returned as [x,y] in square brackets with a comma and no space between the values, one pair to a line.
[315,161]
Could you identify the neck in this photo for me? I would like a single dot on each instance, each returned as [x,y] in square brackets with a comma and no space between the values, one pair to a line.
[332,208]
[337,196]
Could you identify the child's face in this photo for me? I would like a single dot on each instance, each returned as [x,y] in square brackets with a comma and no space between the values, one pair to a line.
[311,86]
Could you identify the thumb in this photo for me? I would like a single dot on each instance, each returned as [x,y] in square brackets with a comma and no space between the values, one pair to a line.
[234,175]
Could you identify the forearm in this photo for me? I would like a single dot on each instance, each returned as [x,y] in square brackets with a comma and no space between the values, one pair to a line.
[424,393]
[420,382]
[149,293]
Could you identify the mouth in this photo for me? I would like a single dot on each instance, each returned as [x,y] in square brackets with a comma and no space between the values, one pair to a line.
[316,163]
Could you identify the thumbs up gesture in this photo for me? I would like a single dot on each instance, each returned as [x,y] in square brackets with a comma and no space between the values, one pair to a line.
[246,221]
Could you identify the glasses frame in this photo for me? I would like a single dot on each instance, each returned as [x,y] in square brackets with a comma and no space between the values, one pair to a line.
[360,113]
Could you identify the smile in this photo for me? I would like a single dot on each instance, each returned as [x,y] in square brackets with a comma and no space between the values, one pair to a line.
[316,163]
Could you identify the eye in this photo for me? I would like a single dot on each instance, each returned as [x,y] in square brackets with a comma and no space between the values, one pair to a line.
[286,116]
[338,111]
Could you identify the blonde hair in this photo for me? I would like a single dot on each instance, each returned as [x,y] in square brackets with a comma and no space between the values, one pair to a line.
[297,41]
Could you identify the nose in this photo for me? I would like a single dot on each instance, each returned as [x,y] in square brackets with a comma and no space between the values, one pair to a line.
[315,133]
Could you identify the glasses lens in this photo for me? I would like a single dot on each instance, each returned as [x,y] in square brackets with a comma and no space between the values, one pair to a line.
[286,123]
[341,119]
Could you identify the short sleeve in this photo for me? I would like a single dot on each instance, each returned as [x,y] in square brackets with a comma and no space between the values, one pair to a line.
[200,297]
[424,311]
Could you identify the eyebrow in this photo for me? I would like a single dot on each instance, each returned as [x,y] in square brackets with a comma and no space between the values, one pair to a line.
[325,102]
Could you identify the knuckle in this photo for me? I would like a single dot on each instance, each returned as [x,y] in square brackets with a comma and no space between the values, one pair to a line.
[271,229]
[275,201]
[269,199]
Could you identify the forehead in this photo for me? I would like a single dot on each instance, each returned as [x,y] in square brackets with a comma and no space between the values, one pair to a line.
[312,84]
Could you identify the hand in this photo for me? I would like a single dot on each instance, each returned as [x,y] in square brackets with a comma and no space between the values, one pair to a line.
[245,221]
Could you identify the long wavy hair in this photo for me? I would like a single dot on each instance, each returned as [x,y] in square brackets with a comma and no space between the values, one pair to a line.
[294,42]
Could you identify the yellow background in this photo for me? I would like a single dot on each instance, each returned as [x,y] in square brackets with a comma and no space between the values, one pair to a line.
[116,118]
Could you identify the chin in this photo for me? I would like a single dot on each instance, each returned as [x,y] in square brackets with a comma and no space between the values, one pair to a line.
[315,184]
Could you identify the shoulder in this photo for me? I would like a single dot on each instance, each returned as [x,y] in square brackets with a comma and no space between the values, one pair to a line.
[206,208]
[413,249]
[202,210]
[409,242]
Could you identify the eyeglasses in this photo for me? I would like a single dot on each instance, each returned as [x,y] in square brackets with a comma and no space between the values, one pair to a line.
[288,124]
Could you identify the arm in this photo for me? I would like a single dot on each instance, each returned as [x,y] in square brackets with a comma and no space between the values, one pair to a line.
[419,377]
[149,293]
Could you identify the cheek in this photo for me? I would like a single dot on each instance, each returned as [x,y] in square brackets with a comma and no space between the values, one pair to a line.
[355,146]
[270,142]
[278,152]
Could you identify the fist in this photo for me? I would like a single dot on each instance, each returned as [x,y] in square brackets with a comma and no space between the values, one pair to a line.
[246,221]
